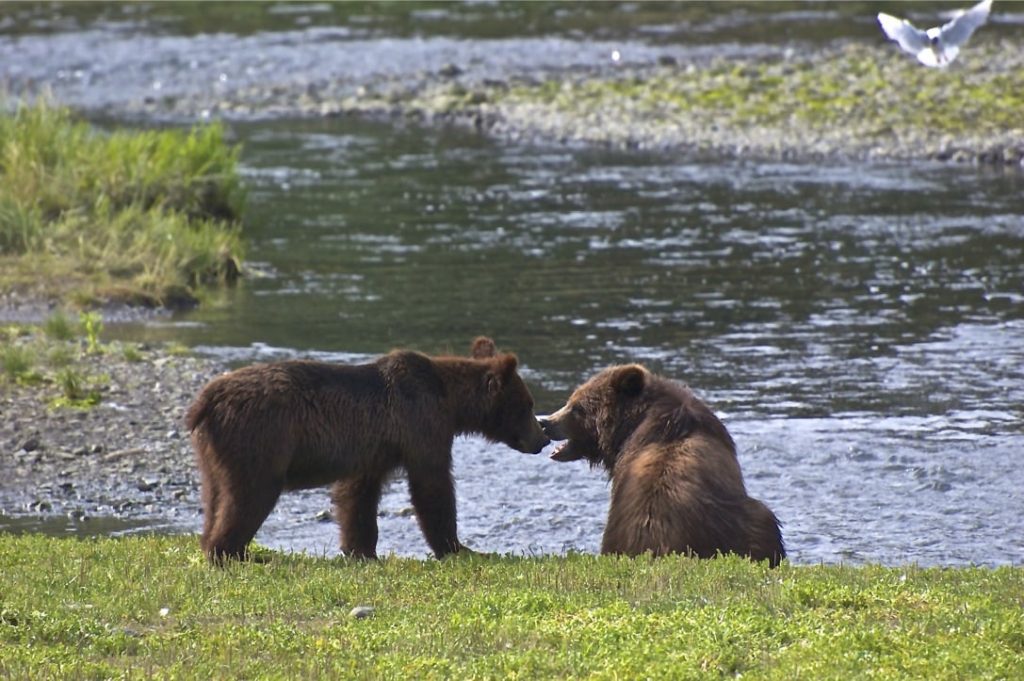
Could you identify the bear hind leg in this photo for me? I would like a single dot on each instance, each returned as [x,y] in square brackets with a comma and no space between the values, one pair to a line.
[238,514]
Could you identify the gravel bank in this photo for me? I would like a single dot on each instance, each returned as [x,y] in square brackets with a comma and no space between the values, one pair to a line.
[129,456]
[853,100]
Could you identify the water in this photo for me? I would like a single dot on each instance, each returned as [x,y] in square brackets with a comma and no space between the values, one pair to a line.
[859,327]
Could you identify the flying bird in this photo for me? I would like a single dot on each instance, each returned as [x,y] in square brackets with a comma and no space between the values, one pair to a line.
[937,46]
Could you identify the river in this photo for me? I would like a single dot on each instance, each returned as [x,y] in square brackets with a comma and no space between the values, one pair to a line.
[859,327]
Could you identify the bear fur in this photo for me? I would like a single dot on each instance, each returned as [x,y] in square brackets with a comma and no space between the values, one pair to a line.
[676,481]
[267,428]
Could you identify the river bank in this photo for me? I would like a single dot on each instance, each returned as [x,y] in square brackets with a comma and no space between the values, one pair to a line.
[851,101]
[119,450]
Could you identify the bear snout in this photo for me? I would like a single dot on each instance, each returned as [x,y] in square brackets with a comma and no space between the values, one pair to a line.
[533,440]
[539,443]
[552,427]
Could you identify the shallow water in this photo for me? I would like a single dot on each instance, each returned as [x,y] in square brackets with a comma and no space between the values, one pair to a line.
[860,328]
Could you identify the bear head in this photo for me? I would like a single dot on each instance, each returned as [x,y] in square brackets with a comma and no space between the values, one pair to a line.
[624,406]
[600,415]
[509,417]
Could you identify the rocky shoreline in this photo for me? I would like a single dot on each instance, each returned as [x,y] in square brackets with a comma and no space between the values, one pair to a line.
[851,101]
[127,457]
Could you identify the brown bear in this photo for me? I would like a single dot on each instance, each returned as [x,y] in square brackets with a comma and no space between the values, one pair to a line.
[676,481]
[266,428]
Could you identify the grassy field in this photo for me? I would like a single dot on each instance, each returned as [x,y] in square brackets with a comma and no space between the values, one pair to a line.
[146,217]
[150,606]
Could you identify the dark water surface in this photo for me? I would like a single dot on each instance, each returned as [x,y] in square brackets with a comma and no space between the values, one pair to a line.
[860,328]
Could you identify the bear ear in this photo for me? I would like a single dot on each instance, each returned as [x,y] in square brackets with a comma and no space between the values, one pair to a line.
[483,348]
[508,365]
[503,371]
[629,380]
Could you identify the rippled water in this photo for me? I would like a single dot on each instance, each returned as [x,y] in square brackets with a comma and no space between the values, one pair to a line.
[860,328]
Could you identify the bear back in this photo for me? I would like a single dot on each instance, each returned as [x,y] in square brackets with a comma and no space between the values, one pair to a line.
[674,413]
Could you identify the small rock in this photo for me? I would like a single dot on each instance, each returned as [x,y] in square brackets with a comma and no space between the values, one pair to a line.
[144,485]
[31,444]
[323,517]
[361,612]
[123,453]
[77,515]
[449,71]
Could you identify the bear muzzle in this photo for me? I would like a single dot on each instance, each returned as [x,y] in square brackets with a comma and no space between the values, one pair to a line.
[537,443]
[552,426]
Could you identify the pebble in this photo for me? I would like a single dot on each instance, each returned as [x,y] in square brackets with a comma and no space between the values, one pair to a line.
[361,612]
[450,71]
[144,485]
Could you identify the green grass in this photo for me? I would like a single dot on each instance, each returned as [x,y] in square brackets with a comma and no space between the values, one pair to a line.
[60,354]
[847,87]
[150,606]
[136,216]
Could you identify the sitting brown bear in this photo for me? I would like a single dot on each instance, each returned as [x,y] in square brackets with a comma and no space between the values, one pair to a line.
[676,482]
[297,424]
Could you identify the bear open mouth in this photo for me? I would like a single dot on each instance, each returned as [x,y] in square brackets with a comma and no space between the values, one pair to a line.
[564,452]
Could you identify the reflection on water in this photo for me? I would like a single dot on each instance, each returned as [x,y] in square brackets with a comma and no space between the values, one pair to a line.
[860,328]
[81,527]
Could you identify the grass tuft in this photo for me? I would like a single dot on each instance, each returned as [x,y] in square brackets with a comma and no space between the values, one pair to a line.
[17,362]
[59,327]
[133,216]
[44,355]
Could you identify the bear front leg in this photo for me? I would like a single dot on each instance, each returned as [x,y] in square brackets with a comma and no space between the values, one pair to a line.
[355,509]
[433,497]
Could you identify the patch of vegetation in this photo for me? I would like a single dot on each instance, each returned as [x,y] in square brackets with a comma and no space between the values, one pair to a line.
[119,607]
[147,217]
[78,390]
[856,99]
[17,363]
[59,327]
[58,354]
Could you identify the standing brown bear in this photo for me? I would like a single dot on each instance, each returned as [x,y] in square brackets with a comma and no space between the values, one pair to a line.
[298,424]
[676,482]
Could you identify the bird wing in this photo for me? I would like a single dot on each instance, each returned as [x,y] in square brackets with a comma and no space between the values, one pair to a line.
[960,27]
[910,38]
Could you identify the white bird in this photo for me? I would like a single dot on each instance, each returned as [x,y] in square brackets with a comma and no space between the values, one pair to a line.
[940,45]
